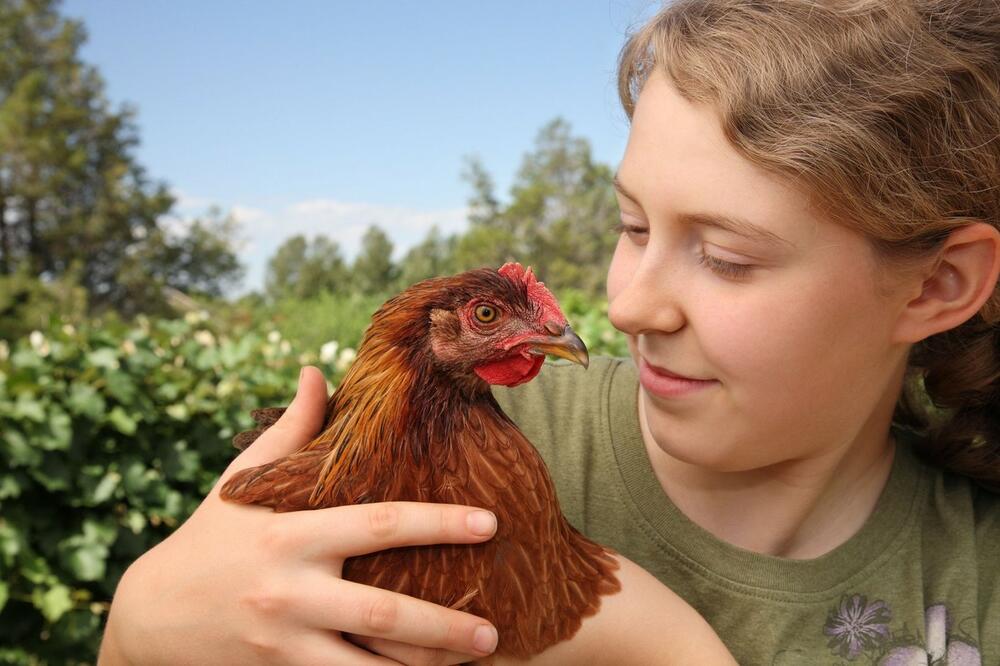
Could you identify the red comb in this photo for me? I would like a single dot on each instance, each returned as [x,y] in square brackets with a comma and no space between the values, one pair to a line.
[515,271]
[537,291]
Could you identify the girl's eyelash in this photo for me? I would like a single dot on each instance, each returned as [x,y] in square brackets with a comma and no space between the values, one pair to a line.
[621,227]
[724,268]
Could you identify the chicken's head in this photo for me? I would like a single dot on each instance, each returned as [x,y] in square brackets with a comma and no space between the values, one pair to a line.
[500,325]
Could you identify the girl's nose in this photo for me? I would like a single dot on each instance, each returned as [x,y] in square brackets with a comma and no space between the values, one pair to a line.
[648,300]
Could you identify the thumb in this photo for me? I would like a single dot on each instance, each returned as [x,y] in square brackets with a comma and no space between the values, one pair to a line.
[301,421]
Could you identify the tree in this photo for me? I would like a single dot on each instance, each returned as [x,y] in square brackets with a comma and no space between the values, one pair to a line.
[484,209]
[428,259]
[73,198]
[559,219]
[373,270]
[299,269]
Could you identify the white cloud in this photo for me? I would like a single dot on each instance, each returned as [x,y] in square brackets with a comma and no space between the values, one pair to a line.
[246,214]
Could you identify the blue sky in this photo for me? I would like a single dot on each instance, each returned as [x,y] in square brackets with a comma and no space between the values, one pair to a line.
[325,116]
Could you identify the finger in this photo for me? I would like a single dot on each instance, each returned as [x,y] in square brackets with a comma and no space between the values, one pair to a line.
[358,529]
[413,655]
[326,648]
[333,603]
[301,422]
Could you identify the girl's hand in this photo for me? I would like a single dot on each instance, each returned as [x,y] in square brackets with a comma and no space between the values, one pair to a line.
[243,585]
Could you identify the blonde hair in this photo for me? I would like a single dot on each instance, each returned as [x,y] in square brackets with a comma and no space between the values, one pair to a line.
[887,114]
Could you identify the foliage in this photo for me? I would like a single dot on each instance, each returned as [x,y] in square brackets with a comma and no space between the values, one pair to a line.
[309,323]
[27,303]
[112,435]
[73,199]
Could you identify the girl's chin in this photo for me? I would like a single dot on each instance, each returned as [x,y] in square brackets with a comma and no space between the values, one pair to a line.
[685,441]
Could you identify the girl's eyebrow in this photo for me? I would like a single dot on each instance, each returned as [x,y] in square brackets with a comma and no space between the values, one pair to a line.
[729,223]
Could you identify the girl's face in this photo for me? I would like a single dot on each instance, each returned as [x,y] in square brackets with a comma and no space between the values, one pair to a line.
[778,311]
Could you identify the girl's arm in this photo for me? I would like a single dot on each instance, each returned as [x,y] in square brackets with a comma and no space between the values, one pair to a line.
[645,623]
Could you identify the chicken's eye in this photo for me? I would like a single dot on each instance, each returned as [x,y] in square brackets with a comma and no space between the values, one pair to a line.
[486,313]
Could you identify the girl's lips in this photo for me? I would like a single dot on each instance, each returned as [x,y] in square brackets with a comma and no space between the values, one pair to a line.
[666,384]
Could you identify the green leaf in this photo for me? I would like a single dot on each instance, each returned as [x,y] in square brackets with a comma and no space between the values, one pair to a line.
[135,521]
[87,562]
[122,422]
[53,473]
[60,428]
[35,569]
[105,487]
[104,358]
[4,594]
[121,387]
[19,451]
[10,486]
[168,391]
[135,477]
[84,399]
[26,358]
[53,602]
[28,408]
[178,411]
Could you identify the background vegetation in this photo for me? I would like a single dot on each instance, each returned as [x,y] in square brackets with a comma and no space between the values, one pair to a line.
[124,370]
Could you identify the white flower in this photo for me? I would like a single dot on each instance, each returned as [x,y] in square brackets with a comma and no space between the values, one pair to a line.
[347,356]
[191,317]
[285,346]
[175,341]
[69,329]
[274,337]
[204,338]
[4,350]
[128,346]
[328,352]
[203,315]
[39,343]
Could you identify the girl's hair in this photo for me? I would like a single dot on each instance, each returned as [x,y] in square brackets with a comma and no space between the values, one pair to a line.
[887,115]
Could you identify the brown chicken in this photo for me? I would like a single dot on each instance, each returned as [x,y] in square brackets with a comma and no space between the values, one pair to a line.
[414,419]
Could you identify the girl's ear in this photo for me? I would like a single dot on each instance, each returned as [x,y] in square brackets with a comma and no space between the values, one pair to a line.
[963,278]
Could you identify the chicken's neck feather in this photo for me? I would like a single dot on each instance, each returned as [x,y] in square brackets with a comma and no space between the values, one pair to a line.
[394,408]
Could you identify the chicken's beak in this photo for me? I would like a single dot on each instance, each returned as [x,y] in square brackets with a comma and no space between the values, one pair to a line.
[562,343]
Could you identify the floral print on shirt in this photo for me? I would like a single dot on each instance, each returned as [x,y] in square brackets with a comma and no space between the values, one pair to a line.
[858,628]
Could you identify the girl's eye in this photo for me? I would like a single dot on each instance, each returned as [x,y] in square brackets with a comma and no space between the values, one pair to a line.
[486,313]
[636,234]
[725,268]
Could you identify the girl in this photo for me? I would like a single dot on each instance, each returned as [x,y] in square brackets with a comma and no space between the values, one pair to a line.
[803,443]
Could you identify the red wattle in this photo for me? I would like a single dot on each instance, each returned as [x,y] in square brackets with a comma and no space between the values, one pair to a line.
[511,371]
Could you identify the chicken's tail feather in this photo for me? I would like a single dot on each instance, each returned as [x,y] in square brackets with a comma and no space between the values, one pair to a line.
[284,485]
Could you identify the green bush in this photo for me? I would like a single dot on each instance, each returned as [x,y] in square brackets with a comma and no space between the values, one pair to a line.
[109,441]
[111,434]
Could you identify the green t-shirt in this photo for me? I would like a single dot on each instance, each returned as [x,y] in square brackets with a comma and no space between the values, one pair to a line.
[918,584]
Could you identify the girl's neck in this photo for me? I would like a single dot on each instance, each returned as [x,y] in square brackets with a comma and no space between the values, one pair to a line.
[799,509]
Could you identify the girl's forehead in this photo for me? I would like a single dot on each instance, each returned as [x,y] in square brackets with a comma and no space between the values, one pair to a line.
[678,163]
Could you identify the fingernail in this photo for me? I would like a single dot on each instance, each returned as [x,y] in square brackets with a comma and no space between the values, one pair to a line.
[485,639]
[482,523]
